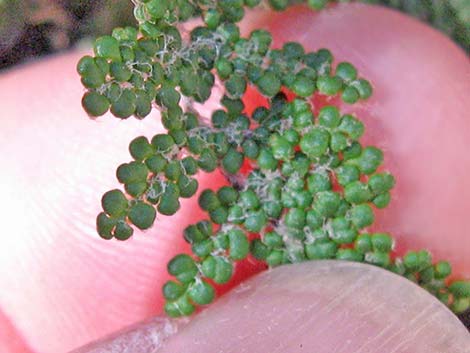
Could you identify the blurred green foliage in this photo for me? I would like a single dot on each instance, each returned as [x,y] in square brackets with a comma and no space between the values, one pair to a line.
[30,28]
[451,17]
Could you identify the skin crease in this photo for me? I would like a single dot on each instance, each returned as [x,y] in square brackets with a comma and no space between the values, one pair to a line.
[66,287]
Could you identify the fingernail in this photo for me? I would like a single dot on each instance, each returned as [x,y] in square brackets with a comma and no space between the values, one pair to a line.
[324,307]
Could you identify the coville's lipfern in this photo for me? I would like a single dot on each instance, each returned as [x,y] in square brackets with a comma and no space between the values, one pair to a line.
[301,184]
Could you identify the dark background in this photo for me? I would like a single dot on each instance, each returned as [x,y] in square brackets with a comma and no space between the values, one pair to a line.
[33,28]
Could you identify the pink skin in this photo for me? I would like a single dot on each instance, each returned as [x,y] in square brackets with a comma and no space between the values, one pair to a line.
[66,287]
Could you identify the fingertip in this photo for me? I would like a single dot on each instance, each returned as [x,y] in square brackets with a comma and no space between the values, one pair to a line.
[417,115]
[60,164]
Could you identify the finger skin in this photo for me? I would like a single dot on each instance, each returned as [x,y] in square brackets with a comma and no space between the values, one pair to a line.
[58,164]
[10,338]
